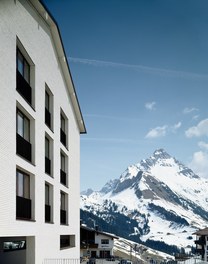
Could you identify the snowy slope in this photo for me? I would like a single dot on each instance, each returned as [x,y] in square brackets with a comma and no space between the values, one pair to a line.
[159,199]
[136,252]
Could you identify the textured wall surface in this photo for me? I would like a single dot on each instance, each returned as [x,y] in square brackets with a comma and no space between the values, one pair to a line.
[21,25]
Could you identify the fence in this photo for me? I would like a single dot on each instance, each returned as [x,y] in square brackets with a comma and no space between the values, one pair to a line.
[184,261]
[102,261]
[61,261]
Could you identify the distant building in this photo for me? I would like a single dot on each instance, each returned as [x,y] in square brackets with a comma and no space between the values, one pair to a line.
[202,243]
[95,243]
[40,126]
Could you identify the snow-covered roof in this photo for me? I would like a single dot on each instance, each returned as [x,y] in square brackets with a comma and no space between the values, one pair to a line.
[202,232]
[98,231]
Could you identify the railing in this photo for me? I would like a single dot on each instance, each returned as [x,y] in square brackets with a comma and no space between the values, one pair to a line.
[63,137]
[195,260]
[47,117]
[47,213]
[24,88]
[47,166]
[63,177]
[23,208]
[100,261]
[61,261]
[23,148]
[63,216]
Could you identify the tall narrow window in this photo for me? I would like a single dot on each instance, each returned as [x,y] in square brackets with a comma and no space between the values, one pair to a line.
[47,199]
[63,130]
[47,203]
[23,66]
[23,77]
[47,156]
[63,123]
[23,202]
[63,175]
[23,185]
[47,101]
[47,110]
[63,203]
[23,136]
[63,211]
[23,126]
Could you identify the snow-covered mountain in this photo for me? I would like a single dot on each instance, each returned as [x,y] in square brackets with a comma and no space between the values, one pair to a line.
[158,199]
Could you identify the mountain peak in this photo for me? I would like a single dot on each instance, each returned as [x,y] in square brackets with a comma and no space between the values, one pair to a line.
[157,192]
[161,153]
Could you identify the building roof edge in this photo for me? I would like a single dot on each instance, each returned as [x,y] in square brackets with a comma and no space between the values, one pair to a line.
[49,19]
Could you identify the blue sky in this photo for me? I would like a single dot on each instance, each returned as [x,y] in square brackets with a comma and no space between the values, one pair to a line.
[140,69]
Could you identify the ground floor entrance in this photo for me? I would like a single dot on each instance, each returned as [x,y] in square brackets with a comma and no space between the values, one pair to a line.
[16,250]
[104,253]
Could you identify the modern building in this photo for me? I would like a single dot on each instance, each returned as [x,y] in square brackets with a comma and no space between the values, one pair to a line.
[202,243]
[40,127]
[95,243]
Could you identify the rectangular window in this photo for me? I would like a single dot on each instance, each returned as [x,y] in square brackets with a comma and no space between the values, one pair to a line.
[63,203]
[23,66]
[105,241]
[47,101]
[63,211]
[67,241]
[48,206]
[47,156]
[47,199]
[23,126]
[23,77]
[63,130]
[62,162]
[23,184]
[47,148]
[47,110]
[23,146]
[23,202]
[63,123]
[64,241]
[63,175]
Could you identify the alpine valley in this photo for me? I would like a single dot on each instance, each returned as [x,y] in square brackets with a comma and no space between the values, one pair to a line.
[158,202]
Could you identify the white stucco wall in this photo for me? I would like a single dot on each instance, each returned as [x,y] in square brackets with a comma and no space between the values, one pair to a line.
[98,239]
[23,22]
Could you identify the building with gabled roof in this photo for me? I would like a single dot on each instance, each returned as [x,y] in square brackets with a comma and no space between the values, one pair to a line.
[95,243]
[202,243]
[41,123]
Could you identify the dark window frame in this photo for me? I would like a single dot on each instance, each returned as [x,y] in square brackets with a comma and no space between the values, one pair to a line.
[105,241]
[23,193]
[47,100]
[63,123]
[48,207]
[63,169]
[63,208]
[47,194]
[47,147]
[63,129]
[25,175]
[25,65]
[47,109]
[48,163]
[64,241]
[24,128]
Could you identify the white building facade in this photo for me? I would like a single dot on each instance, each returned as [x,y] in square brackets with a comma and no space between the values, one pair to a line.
[40,126]
[95,243]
